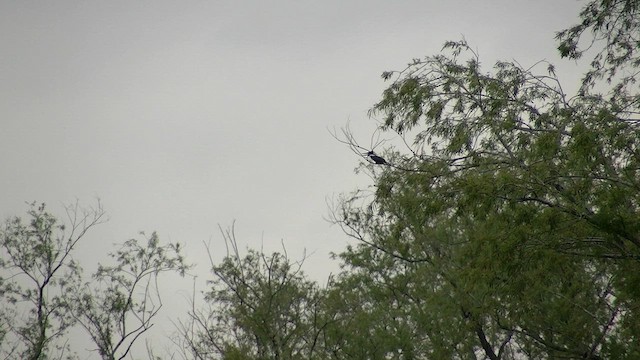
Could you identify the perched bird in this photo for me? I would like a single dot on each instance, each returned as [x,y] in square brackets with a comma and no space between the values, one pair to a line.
[376,159]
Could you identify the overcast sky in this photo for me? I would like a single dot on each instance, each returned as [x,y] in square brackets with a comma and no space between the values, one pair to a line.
[185,115]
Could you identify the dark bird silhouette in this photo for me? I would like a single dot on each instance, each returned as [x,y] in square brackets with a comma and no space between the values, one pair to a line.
[376,159]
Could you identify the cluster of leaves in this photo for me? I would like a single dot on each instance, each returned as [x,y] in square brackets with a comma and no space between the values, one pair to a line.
[612,27]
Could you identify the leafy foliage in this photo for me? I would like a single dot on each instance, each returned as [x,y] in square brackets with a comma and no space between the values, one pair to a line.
[37,266]
[119,304]
[613,26]
[43,294]
[509,228]
[260,307]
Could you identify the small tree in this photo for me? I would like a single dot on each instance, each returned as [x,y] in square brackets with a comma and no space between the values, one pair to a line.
[259,307]
[120,302]
[37,267]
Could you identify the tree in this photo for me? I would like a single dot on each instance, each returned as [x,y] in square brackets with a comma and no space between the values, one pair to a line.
[44,294]
[258,307]
[37,265]
[121,301]
[508,221]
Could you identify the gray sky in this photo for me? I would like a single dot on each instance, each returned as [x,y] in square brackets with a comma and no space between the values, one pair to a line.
[182,115]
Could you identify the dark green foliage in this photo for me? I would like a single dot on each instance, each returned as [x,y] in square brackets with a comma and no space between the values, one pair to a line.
[516,234]
[612,27]
[259,307]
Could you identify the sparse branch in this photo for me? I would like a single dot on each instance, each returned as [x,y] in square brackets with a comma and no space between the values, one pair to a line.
[131,299]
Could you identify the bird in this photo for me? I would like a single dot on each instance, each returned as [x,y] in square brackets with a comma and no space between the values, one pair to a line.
[377,159]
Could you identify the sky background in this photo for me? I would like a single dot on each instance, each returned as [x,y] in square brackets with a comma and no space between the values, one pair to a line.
[182,116]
